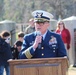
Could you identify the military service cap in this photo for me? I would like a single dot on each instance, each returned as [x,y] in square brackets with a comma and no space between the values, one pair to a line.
[41,16]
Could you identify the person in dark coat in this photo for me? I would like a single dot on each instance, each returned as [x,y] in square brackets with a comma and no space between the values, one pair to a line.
[5,52]
[16,49]
[17,45]
[42,43]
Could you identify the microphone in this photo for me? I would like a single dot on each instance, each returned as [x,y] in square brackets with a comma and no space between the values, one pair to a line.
[39,34]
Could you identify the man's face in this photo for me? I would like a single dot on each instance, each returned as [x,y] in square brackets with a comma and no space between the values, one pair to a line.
[20,39]
[7,39]
[41,26]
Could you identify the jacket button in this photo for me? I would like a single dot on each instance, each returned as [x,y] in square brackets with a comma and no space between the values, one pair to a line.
[42,54]
[42,47]
[53,50]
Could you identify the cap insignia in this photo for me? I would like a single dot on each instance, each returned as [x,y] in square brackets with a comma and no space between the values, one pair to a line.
[39,15]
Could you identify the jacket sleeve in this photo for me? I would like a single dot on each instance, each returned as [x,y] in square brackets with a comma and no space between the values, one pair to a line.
[2,44]
[27,51]
[61,48]
[68,37]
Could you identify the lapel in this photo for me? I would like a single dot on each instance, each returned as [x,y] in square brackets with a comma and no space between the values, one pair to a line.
[34,35]
[47,37]
[32,38]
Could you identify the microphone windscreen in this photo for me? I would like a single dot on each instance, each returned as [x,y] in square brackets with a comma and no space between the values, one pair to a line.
[38,33]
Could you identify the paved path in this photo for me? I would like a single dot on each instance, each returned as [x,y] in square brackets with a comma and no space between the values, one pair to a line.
[71,71]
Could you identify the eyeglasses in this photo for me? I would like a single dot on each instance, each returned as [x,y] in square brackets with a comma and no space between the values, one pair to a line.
[41,23]
[60,23]
[8,38]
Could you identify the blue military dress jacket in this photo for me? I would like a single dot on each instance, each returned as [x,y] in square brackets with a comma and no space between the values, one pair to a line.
[51,46]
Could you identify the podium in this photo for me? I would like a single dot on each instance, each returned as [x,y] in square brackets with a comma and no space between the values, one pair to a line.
[42,66]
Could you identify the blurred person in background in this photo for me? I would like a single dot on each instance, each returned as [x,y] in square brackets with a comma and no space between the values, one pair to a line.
[31,27]
[20,36]
[17,45]
[65,34]
[5,52]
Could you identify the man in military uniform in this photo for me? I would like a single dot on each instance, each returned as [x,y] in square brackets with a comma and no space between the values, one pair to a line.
[42,43]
